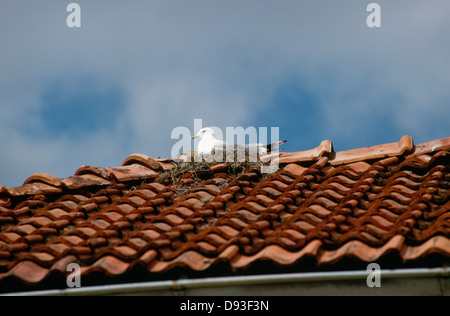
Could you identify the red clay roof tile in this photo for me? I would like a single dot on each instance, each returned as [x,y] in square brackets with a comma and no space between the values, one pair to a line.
[405,144]
[86,180]
[364,204]
[28,272]
[143,160]
[44,178]
[326,147]
[33,189]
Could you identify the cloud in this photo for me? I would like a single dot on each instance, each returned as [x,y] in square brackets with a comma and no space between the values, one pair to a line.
[136,70]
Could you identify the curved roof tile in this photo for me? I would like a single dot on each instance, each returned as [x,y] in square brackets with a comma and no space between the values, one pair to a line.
[364,204]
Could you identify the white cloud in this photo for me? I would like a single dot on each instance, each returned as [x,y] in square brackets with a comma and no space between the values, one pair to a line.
[221,61]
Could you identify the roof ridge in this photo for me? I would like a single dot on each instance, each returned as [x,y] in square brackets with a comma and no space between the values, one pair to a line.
[44,178]
[140,166]
[325,147]
[405,144]
[431,146]
[143,160]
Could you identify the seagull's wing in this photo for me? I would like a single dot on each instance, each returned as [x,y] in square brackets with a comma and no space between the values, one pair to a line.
[249,148]
[263,149]
[219,144]
[271,147]
[256,149]
[226,146]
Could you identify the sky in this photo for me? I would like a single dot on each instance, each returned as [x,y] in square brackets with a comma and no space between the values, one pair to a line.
[136,70]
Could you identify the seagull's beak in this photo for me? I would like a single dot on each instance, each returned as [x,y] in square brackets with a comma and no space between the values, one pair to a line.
[193,137]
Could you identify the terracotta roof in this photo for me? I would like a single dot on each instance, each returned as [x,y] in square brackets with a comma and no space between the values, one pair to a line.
[321,207]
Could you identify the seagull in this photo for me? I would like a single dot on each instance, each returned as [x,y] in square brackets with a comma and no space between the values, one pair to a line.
[208,142]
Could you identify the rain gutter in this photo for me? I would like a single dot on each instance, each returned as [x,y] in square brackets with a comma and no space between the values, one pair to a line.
[422,281]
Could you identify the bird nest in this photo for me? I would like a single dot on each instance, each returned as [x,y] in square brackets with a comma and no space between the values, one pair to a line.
[229,156]
[203,166]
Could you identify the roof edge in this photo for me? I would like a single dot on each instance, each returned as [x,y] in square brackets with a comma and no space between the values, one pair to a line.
[433,281]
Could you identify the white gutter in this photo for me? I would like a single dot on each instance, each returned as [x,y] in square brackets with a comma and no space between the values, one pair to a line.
[423,281]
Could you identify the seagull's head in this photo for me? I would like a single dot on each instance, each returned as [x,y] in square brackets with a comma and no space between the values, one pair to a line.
[206,132]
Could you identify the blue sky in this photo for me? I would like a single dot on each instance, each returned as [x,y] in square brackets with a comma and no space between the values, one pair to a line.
[137,69]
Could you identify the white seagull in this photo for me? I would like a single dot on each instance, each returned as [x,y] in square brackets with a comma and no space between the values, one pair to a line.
[208,142]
